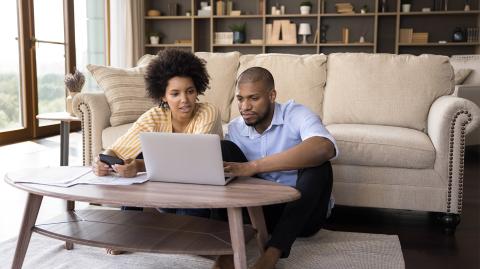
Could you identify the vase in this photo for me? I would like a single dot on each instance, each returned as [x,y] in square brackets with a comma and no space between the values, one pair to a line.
[154,40]
[305,10]
[238,37]
[69,102]
[406,7]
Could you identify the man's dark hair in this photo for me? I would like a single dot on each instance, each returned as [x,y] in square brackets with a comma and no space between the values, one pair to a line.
[256,73]
[171,63]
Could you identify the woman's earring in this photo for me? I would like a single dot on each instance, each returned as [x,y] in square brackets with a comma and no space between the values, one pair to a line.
[164,105]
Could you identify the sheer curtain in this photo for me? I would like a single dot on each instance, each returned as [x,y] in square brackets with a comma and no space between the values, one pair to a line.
[126,32]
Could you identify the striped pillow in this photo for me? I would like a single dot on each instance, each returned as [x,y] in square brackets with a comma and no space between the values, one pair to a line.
[124,90]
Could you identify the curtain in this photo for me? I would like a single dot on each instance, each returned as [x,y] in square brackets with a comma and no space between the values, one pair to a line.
[126,32]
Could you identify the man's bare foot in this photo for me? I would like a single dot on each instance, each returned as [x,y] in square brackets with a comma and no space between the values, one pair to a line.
[224,262]
[268,260]
[111,251]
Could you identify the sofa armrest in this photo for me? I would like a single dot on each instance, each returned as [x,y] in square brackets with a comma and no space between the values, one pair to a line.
[94,112]
[449,120]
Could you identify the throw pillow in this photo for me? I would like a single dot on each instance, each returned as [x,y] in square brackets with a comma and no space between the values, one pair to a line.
[124,90]
[461,75]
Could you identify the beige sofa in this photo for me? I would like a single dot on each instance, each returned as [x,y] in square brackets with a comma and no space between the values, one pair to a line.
[400,132]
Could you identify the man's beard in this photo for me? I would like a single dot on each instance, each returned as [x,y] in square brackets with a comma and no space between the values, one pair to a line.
[260,119]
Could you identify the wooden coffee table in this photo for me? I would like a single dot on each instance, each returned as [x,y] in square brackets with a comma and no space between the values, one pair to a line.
[155,232]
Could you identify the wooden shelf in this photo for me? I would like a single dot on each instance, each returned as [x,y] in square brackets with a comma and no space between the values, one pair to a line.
[365,44]
[380,28]
[167,45]
[435,44]
[238,17]
[387,13]
[420,13]
[153,232]
[292,16]
[292,45]
[347,15]
[237,45]
[168,17]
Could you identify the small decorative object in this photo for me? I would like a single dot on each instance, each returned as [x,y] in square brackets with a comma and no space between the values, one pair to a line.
[458,35]
[362,39]
[345,35]
[364,9]
[282,9]
[235,13]
[74,83]
[220,8]
[153,13]
[238,32]
[256,41]
[323,33]
[305,7]
[154,38]
[304,30]
[406,5]
[383,6]
[467,6]
[274,10]
[229,7]
[426,9]
[223,38]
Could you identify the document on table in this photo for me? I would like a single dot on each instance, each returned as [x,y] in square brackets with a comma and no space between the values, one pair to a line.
[66,176]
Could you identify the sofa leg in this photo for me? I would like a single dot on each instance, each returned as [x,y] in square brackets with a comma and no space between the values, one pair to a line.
[450,222]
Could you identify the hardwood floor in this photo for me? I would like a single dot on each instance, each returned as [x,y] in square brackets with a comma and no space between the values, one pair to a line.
[423,243]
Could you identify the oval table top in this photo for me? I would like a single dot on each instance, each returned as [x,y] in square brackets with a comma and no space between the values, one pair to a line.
[240,192]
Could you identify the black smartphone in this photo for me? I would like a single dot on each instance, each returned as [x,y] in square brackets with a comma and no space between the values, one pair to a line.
[110,160]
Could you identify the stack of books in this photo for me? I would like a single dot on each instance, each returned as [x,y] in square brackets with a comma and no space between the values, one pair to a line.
[344,8]
[420,37]
[472,34]
[406,35]
[223,38]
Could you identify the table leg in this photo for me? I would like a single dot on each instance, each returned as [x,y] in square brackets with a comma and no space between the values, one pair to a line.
[258,222]
[64,152]
[29,217]
[235,222]
[64,143]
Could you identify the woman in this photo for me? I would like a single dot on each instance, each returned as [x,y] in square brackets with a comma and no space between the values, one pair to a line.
[174,79]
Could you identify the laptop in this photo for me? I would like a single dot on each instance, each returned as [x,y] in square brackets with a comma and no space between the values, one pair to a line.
[183,158]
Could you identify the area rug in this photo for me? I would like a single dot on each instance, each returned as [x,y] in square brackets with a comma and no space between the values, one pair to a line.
[327,249]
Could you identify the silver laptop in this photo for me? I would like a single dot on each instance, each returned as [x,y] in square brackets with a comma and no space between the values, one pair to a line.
[183,158]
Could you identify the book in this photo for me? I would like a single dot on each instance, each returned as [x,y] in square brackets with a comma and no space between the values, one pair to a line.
[406,35]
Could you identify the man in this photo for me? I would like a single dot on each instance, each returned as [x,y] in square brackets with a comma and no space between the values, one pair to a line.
[285,143]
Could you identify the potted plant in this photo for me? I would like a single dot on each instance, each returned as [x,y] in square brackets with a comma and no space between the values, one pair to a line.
[305,7]
[74,84]
[154,38]
[364,9]
[238,32]
[406,5]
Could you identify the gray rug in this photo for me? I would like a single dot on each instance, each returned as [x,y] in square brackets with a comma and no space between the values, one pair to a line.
[327,249]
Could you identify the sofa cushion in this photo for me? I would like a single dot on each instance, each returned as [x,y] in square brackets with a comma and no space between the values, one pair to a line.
[468,62]
[124,90]
[384,146]
[384,89]
[297,77]
[111,134]
[222,68]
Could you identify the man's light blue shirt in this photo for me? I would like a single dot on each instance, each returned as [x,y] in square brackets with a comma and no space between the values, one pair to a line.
[291,124]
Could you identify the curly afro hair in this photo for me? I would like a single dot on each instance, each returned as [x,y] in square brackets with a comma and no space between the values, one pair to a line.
[171,63]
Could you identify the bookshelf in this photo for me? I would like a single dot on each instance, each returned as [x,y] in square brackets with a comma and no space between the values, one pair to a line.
[380,30]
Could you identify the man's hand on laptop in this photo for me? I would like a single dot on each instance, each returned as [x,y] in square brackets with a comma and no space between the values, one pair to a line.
[240,169]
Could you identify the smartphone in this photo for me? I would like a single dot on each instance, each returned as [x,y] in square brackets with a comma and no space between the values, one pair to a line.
[110,160]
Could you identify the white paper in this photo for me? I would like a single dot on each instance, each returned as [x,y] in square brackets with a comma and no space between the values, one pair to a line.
[66,176]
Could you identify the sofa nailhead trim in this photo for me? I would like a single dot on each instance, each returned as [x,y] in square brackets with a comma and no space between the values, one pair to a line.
[81,107]
[462,155]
